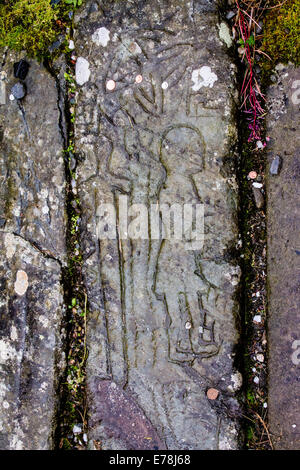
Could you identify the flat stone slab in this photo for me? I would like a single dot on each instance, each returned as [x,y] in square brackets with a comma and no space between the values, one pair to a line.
[32,252]
[31,345]
[153,125]
[32,174]
[283,210]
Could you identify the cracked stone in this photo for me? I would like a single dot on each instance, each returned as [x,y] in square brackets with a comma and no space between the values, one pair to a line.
[33,226]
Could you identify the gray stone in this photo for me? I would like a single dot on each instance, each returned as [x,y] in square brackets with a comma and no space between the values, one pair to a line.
[275,165]
[230,15]
[32,175]
[31,357]
[32,252]
[258,197]
[18,91]
[283,212]
[162,134]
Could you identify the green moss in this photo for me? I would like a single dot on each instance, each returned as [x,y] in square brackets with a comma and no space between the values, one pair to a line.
[33,25]
[281,35]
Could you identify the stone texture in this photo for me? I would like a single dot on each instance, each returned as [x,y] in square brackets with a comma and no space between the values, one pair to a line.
[32,252]
[165,139]
[283,210]
[31,349]
[32,175]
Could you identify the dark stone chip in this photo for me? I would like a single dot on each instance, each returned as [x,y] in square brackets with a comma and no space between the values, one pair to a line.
[21,69]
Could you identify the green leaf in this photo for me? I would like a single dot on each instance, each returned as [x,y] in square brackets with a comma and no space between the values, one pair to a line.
[251,41]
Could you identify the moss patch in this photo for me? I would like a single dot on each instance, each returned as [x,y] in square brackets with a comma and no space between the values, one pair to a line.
[33,25]
[281,35]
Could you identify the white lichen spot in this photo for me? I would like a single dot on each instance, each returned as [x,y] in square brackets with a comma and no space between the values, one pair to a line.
[10,245]
[21,284]
[13,333]
[101,37]
[82,71]
[7,352]
[43,386]
[5,404]
[236,380]
[16,443]
[224,34]
[203,77]
[225,444]
[44,321]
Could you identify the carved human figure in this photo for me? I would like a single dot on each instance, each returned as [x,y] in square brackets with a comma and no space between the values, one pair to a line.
[190,332]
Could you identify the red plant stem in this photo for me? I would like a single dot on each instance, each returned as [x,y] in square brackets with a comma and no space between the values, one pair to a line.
[251,102]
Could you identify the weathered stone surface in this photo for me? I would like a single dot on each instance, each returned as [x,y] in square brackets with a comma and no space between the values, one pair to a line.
[283,208]
[32,175]
[161,318]
[32,250]
[31,349]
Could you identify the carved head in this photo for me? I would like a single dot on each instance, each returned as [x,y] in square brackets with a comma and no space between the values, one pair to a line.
[182,149]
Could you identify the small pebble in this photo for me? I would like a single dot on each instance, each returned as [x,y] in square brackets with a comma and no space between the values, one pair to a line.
[252,175]
[257,185]
[71,44]
[188,325]
[212,393]
[257,319]
[110,85]
[77,428]
[18,91]
[265,405]
[260,357]
[258,197]
[230,15]
[256,380]
[164,85]
[275,165]
[138,79]
[21,69]
[257,69]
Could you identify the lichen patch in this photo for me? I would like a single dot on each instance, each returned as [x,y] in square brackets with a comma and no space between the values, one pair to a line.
[203,77]
[101,37]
